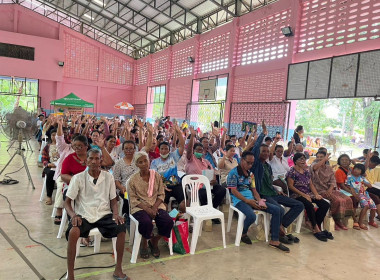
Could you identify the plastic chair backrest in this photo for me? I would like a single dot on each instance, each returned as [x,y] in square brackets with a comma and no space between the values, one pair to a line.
[127,187]
[228,196]
[194,183]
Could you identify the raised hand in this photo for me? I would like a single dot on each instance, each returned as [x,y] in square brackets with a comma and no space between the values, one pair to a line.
[192,131]
[60,120]
[264,127]
[140,124]
[100,141]
[215,131]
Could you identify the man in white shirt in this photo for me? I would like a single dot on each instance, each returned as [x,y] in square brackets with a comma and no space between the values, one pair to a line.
[279,166]
[94,193]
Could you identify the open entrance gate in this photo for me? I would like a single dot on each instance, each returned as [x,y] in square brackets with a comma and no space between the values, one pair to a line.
[202,114]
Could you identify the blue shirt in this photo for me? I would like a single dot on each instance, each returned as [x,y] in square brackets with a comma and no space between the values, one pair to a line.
[210,158]
[162,166]
[236,179]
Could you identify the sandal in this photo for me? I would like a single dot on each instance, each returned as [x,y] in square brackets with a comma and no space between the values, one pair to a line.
[280,247]
[49,201]
[120,278]
[155,251]
[294,238]
[373,224]
[144,253]
[320,236]
[363,226]
[328,234]
[356,226]
[57,220]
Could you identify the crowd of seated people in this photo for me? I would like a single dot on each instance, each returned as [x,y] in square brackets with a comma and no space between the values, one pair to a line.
[139,163]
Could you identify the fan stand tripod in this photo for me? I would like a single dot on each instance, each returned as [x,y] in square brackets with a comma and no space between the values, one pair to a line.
[20,152]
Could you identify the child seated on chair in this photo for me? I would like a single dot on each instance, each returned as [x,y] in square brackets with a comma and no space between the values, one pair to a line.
[359,183]
[94,193]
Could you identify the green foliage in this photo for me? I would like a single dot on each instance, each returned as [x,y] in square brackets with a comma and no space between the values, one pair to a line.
[351,115]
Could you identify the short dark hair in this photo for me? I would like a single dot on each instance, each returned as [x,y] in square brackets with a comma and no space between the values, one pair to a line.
[197,145]
[375,153]
[159,136]
[110,137]
[342,156]
[92,132]
[290,142]
[277,147]
[163,143]
[361,167]
[54,130]
[268,139]
[299,128]
[322,149]
[365,151]
[246,153]
[321,152]
[202,138]
[240,138]
[229,147]
[81,138]
[375,159]
[297,156]
[128,142]
[264,145]
[226,142]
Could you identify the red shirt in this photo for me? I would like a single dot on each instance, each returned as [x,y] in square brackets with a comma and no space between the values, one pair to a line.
[153,155]
[71,166]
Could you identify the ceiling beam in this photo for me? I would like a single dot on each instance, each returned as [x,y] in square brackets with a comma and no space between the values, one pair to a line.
[225,8]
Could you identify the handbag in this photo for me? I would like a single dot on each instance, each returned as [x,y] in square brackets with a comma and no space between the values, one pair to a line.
[180,235]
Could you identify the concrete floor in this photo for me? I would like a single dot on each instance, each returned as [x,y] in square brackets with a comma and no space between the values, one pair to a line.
[352,255]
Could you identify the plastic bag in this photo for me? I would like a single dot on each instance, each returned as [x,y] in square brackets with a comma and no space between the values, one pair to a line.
[180,237]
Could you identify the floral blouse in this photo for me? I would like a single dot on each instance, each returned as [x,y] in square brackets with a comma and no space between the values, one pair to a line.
[301,181]
[122,171]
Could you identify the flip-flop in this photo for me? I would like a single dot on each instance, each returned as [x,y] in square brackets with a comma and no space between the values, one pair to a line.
[119,278]
[320,236]
[144,253]
[280,247]
[373,224]
[57,220]
[328,234]
[292,237]
[155,251]
[48,202]
[356,226]
[363,226]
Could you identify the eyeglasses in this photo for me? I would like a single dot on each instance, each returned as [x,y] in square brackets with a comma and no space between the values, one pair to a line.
[80,147]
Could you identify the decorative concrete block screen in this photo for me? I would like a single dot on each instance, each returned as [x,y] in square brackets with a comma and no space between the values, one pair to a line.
[262,40]
[275,115]
[160,66]
[328,23]
[141,72]
[260,87]
[181,67]
[116,70]
[81,59]
[213,53]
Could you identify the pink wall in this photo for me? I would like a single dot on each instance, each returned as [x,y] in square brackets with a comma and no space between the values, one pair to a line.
[255,54]
[92,71]
[251,50]
[46,56]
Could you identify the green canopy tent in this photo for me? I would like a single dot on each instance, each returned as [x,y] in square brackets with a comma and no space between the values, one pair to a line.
[70,102]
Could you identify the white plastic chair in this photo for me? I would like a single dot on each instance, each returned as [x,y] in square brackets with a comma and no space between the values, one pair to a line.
[43,191]
[241,218]
[97,239]
[300,217]
[135,236]
[64,222]
[198,212]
